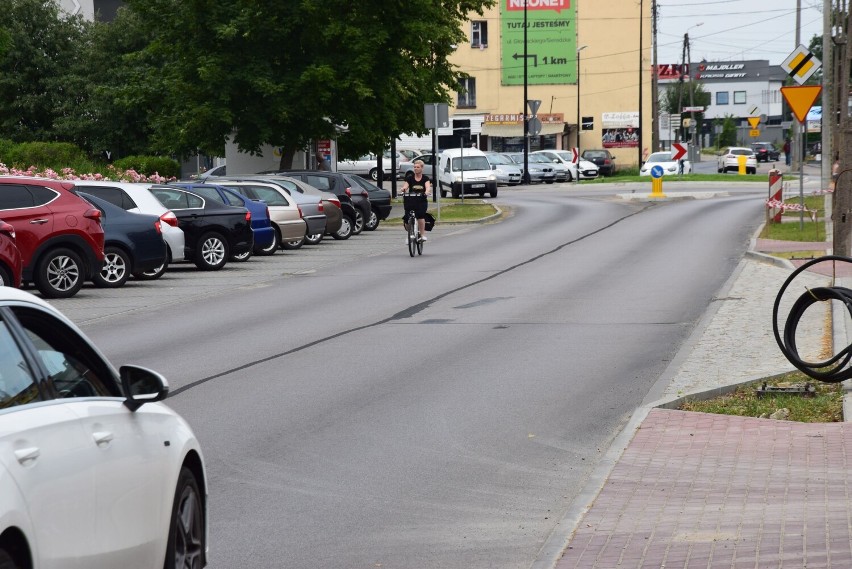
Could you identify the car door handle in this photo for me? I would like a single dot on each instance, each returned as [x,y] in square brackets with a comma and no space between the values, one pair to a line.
[38,221]
[102,438]
[26,455]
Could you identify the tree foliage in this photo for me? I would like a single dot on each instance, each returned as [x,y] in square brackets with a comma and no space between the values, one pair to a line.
[38,47]
[283,73]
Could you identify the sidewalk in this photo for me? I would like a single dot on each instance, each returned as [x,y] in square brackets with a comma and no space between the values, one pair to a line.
[683,489]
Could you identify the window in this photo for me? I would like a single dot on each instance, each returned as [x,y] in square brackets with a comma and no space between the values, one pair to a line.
[74,369]
[722,98]
[14,196]
[479,34]
[114,196]
[739,97]
[467,93]
[271,196]
[16,381]
[209,193]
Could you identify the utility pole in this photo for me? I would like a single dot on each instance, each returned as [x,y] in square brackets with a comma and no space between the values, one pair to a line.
[641,79]
[655,96]
[842,214]
[683,69]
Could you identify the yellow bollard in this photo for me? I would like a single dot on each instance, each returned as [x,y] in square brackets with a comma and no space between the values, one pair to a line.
[741,165]
[657,188]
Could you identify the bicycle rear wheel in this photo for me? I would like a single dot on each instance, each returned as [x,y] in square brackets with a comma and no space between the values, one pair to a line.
[419,244]
[412,241]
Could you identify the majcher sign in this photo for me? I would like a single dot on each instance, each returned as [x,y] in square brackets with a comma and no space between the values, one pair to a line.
[551,42]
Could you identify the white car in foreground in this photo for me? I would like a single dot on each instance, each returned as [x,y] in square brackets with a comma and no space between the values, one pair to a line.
[664,160]
[95,473]
[728,160]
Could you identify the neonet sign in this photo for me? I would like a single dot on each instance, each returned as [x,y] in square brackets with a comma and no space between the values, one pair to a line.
[557,5]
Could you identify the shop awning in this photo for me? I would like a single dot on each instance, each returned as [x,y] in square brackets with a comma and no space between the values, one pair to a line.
[512,130]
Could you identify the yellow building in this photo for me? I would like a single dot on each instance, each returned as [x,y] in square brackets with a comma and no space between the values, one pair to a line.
[610,42]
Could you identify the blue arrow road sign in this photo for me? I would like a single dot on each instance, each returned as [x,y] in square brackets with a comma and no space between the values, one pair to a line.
[657,172]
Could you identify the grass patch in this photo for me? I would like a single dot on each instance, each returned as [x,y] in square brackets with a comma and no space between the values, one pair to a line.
[812,231]
[799,255]
[826,406]
[453,211]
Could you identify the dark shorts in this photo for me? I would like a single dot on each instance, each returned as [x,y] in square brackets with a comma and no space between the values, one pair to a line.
[419,203]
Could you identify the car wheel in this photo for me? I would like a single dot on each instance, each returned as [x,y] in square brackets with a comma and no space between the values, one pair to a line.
[6,561]
[211,254]
[6,280]
[373,222]
[456,193]
[569,177]
[358,224]
[313,239]
[272,247]
[185,548]
[59,274]
[115,270]
[241,257]
[493,193]
[374,174]
[345,230]
[294,244]
[153,274]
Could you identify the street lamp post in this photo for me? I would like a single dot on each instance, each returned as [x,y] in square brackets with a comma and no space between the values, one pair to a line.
[526,116]
[579,118]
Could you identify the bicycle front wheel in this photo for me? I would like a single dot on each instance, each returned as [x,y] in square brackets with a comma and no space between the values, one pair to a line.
[412,240]
[419,245]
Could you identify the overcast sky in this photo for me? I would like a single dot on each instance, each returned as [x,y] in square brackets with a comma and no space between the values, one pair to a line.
[734,29]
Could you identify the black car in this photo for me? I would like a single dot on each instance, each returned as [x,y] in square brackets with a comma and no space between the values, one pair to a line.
[213,231]
[765,152]
[602,158]
[337,184]
[380,201]
[133,244]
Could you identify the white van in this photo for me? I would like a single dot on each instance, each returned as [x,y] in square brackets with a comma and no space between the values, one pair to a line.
[465,171]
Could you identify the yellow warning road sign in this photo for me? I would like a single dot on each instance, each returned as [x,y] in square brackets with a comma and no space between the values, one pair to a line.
[754,133]
[801,98]
[754,121]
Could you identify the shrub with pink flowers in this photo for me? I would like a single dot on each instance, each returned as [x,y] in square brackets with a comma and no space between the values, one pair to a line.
[113,174]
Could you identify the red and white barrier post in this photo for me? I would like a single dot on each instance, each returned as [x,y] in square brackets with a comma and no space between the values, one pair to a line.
[776,196]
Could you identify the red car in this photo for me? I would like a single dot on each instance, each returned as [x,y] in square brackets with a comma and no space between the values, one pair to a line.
[10,257]
[58,233]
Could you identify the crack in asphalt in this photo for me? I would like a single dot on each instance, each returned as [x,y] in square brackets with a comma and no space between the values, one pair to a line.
[406,313]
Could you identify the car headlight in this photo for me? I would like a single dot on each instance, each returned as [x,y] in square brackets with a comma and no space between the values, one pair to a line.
[491,177]
[457,178]
[672,168]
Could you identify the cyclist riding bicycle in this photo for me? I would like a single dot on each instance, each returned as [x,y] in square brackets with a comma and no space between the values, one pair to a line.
[415,191]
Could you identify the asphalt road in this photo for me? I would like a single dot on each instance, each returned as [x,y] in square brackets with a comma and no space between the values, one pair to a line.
[361,408]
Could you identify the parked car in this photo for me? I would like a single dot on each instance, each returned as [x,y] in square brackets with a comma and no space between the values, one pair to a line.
[367,165]
[507,172]
[58,233]
[465,171]
[380,201]
[407,168]
[332,207]
[213,173]
[664,160]
[585,169]
[286,217]
[412,154]
[765,152]
[213,231]
[310,208]
[95,471]
[728,160]
[337,184]
[541,169]
[602,158]
[565,170]
[11,265]
[265,239]
[133,243]
[137,198]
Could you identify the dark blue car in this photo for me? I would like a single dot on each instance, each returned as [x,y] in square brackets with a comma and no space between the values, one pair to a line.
[133,244]
[265,237]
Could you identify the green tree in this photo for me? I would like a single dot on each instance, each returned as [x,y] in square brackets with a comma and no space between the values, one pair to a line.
[728,136]
[283,73]
[39,46]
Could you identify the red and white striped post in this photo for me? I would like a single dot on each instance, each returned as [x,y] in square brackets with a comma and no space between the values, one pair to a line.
[776,194]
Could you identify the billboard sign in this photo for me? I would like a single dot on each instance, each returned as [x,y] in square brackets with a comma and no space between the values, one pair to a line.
[551,45]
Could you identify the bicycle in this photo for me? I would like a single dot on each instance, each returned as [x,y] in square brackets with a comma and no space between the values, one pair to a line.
[415,243]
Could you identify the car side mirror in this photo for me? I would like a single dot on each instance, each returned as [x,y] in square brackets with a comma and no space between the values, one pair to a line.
[494,166]
[142,385]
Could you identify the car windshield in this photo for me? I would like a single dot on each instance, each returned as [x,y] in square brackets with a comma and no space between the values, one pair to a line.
[568,157]
[660,157]
[594,154]
[499,159]
[540,159]
[470,163]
